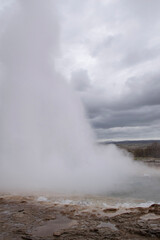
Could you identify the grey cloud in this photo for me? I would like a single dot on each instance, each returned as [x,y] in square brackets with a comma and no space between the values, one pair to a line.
[140,106]
[102,45]
[138,117]
[141,55]
[122,42]
[141,91]
[144,91]
[143,9]
[80,80]
[129,133]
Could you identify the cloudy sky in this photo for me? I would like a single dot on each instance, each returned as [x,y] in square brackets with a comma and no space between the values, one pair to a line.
[110,54]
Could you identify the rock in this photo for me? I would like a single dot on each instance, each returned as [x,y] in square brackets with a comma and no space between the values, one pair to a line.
[1,200]
[26,237]
[23,201]
[21,210]
[154,208]
[48,218]
[94,229]
[107,210]
[39,222]
[57,234]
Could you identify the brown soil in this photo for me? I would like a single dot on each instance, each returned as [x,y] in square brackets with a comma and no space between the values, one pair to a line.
[22,217]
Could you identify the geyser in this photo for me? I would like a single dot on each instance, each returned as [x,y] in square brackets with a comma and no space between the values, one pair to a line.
[45,140]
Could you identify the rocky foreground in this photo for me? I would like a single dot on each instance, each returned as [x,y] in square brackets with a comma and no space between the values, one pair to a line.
[25,218]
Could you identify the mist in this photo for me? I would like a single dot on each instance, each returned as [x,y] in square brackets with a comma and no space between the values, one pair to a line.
[46,142]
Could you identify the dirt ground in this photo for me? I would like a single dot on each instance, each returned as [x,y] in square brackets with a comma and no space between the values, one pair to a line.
[22,217]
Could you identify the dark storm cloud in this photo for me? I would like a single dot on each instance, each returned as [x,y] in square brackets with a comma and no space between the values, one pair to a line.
[139,117]
[140,106]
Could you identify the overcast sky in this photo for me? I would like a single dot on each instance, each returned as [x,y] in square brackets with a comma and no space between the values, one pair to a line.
[110,53]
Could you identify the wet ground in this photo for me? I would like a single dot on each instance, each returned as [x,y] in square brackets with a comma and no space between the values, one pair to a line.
[37,218]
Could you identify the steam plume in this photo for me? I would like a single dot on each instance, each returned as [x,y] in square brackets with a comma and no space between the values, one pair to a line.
[45,140]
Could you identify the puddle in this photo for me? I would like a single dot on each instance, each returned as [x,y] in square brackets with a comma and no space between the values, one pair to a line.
[42,199]
[60,223]
[108,225]
[149,216]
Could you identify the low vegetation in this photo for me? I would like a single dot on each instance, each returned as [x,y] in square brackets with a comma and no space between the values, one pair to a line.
[151,151]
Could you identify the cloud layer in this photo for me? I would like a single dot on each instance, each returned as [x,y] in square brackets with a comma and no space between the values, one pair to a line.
[110,53]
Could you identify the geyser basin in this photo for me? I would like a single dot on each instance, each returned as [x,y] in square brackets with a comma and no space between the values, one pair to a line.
[145,188]
[142,191]
[46,142]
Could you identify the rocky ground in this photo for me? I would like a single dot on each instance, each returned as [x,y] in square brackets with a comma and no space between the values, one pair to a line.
[26,218]
[152,162]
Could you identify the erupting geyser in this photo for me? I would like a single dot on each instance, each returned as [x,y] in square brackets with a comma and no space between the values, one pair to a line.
[45,140]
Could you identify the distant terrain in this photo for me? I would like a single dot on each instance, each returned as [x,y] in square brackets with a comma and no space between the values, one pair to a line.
[132,142]
[147,151]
